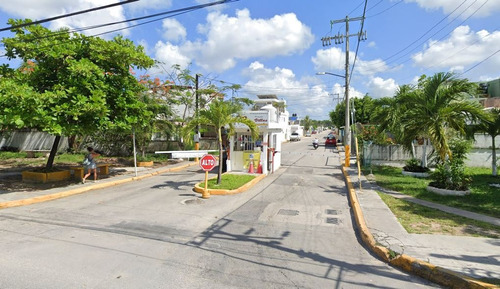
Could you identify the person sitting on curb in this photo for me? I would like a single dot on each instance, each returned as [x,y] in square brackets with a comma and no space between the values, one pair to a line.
[92,167]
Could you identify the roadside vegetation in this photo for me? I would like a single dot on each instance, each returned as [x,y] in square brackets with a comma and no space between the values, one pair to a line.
[229,181]
[20,160]
[483,199]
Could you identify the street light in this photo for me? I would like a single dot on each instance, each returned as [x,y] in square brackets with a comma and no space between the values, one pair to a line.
[347,133]
[329,73]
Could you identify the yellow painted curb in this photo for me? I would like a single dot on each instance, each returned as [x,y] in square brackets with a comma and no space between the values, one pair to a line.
[415,266]
[241,189]
[80,190]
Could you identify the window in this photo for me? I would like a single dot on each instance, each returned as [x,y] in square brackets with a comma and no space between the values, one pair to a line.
[244,142]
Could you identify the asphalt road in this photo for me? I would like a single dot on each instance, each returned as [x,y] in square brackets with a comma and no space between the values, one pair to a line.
[292,230]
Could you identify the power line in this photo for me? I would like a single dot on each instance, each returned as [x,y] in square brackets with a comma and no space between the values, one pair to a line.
[385,63]
[66,15]
[383,11]
[479,63]
[174,12]
[357,45]
[430,29]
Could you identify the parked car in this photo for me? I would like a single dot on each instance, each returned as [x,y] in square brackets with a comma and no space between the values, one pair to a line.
[294,136]
[308,134]
[331,140]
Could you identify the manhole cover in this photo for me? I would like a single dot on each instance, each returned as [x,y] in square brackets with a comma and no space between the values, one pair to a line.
[332,220]
[288,212]
[331,212]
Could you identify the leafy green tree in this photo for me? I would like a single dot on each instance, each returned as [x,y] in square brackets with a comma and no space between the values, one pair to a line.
[220,114]
[183,94]
[361,108]
[81,84]
[337,116]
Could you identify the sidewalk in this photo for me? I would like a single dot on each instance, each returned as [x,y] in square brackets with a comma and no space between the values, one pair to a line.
[15,199]
[471,256]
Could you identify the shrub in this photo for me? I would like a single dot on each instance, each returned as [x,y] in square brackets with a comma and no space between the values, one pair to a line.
[413,165]
[451,176]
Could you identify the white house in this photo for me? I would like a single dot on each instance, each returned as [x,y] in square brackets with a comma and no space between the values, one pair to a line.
[261,155]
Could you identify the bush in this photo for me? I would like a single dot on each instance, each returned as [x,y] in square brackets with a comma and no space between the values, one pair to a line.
[451,176]
[413,165]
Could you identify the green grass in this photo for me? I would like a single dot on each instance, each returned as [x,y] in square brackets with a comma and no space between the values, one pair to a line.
[483,199]
[423,220]
[229,181]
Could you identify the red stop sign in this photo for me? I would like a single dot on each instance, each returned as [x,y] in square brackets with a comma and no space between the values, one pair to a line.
[208,162]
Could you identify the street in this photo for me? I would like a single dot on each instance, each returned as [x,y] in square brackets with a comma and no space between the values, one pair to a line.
[294,229]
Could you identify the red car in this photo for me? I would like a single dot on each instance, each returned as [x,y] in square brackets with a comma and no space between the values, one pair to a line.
[331,141]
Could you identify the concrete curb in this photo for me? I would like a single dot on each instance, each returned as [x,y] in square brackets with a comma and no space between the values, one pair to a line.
[241,189]
[81,190]
[409,264]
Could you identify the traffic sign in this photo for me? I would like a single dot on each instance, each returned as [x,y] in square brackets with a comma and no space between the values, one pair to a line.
[208,162]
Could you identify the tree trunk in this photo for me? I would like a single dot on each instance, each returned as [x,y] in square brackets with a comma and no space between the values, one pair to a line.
[494,157]
[424,154]
[72,147]
[53,152]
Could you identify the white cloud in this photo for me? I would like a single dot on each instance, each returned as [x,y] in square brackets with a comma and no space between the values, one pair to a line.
[37,10]
[490,7]
[463,49]
[379,87]
[170,54]
[147,5]
[174,30]
[304,99]
[241,37]
[333,60]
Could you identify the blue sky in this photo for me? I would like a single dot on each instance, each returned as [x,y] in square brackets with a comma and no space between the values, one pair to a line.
[275,47]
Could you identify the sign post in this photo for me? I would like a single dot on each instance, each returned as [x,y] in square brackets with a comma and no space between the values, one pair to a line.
[207,163]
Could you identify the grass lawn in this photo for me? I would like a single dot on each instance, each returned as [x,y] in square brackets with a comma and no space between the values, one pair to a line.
[228,181]
[419,219]
[483,199]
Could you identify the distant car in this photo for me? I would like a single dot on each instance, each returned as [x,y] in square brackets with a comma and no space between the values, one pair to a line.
[308,134]
[294,136]
[314,132]
[331,141]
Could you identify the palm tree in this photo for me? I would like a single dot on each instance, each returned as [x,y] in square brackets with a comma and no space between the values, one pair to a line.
[220,114]
[492,128]
[307,122]
[438,106]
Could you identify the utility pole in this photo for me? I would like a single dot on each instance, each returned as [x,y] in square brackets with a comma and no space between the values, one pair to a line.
[197,135]
[339,39]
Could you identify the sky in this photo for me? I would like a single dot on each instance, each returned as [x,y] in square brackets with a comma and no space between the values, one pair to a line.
[276,47]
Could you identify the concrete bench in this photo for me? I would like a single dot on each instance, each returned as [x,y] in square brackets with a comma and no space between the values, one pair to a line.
[79,172]
[32,153]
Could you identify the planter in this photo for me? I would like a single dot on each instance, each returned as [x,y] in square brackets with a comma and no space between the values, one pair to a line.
[145,164]
[40,177]
[445,192]
[415,174]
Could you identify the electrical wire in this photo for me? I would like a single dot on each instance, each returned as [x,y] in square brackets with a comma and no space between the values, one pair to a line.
[409,52]
[476,65]
[383,11]
[66,15]
[357,46]
[174,12]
